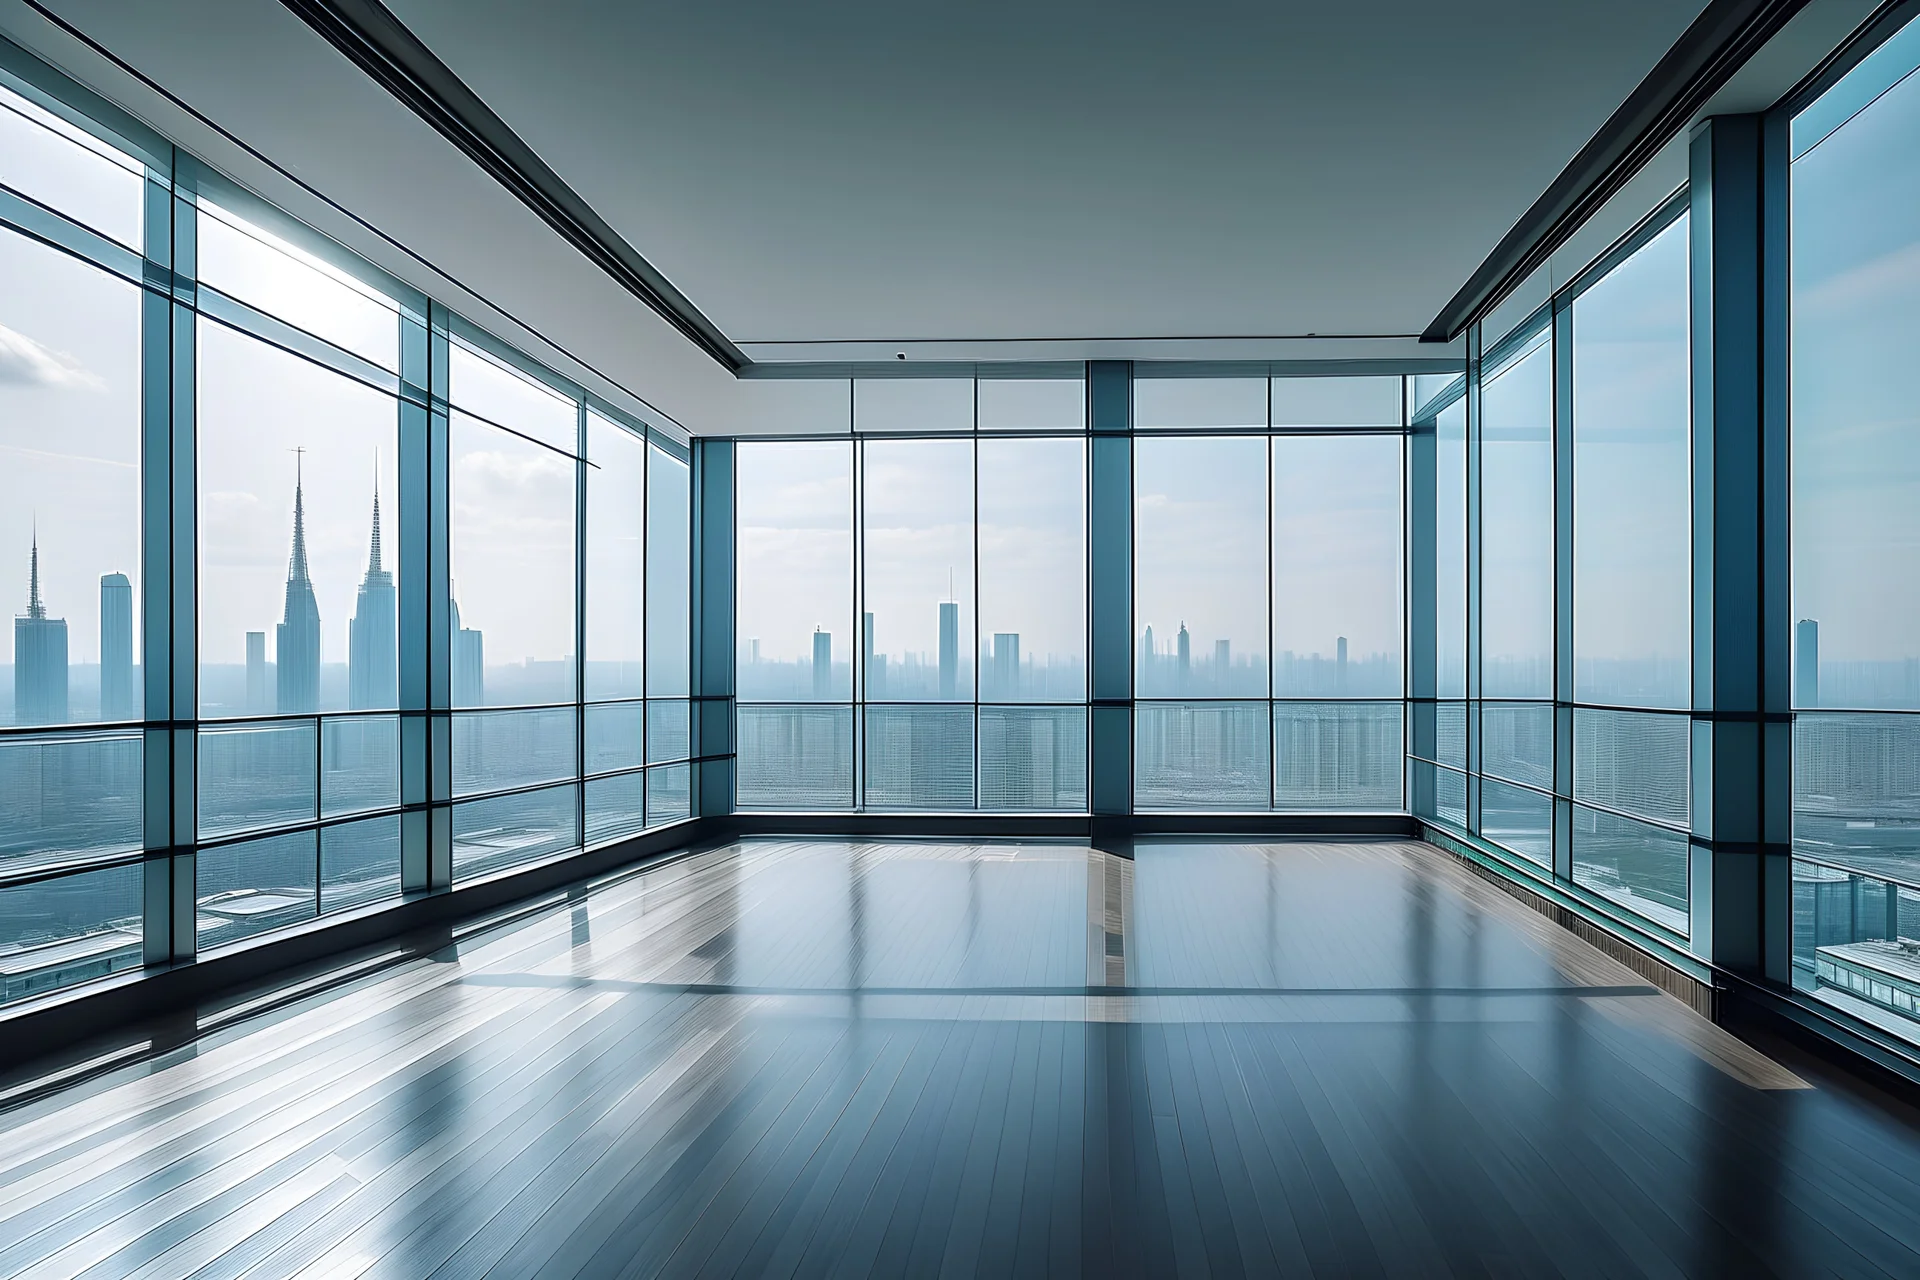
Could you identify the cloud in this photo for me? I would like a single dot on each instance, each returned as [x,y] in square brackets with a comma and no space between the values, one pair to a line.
[26,363]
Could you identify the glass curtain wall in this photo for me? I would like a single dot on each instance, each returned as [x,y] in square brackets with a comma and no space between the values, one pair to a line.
[1557,539]
[1268,589]
[1855,539]
[911,606]
[284,371]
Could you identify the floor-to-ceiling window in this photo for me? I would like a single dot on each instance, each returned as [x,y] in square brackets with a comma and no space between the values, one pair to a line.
[1268,588]
[71,353]
[1855,534]
[1632,581]
[911,603]
[298,590]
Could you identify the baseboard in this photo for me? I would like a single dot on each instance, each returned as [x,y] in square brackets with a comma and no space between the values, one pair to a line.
[1690,989]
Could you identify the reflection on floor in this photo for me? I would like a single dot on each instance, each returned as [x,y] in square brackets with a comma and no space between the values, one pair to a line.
[832,1058]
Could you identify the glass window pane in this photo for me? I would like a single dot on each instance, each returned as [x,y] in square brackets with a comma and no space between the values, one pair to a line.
[1633,762]
[1428,388]
[669,575]
[1337,550]
[359,863]
[616,560]
[256,776]
[496,750]
[615,736]
[1450,798]
[66,168]
[616,806]
[1516,743]
[1518,820]
[1632,484]
[56,933]
[669,794]
[1856,790]
[1032,404]
[69,486]
[68,795]
[298,591]
[913,404]
[1450,734]
[1330,757]
[1202,755]
[1516,522]
[1450,552]
[1200,575]
[359,764]
[919,757]
[669,731]
[506,831]
[797,758]
[1855,419]
[264,271]
[1641,867]
[249,888]
[1337,402]
[1204,403]
[1033,759]
[1033,570]
[794,557]
[917,503]
[512,552]
[509,398]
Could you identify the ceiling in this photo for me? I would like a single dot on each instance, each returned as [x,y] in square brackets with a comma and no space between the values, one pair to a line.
[1055,169]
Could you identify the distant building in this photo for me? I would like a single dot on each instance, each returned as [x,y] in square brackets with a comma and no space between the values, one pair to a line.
[1340,664]
[296,645]
[822,663]
[1806,663]
[1222,663]
[874,665]
[1183,656]
[373,677]
[116,648]
[949,649]
[467,661]
[39,657]
[258,703]
[1006,664]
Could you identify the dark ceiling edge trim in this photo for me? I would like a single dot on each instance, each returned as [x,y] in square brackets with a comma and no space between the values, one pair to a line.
[1717,44]
[383,47]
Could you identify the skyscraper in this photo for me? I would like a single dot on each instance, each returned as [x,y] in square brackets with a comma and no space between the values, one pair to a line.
[39,656]
[1222,664]
[949,648]
[116,647]
[874,665]
[1183,656]
[372,660]
[822,663]
[1340,665]
[1806,663]
[1006,664]
[296,644]
[467,661]
[257,703]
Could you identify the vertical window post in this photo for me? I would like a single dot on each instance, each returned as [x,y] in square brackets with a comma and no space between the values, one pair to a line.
[713,627]
[1110,587]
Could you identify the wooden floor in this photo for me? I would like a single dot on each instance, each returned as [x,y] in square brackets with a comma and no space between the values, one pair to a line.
[834,1059]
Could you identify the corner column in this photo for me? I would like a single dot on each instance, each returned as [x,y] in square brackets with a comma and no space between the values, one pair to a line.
[1739,854]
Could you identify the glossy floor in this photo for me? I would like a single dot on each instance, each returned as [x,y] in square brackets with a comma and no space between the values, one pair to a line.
[831,1058]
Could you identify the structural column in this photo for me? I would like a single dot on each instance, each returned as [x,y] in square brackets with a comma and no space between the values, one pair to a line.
[1739,858]
[1110,588]
[713,627]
